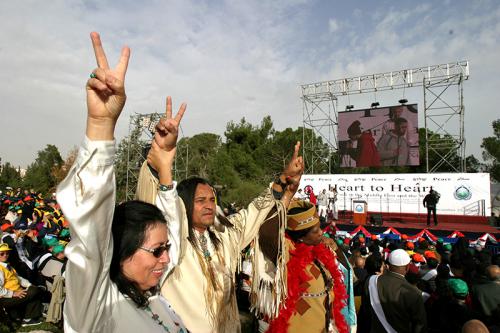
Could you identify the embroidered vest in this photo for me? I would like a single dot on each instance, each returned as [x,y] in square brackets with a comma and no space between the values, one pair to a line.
[11,282]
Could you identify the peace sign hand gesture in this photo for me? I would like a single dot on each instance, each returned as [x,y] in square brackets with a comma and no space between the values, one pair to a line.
[295,167]
[291,175]
[167,129]
[105,92]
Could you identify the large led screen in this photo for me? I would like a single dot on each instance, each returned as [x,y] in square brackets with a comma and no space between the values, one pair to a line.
[374,137]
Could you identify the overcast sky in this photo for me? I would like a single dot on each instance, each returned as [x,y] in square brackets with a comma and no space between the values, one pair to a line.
[229,60]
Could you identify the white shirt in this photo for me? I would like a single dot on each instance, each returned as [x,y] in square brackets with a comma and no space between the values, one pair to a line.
[93,301]
[300,196]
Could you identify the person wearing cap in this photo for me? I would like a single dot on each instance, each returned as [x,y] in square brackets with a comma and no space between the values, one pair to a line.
[450,311]
[19,257]
[52,264]
[446,253]
[17,295]
[396,305]
[360,148]
[418,259]
[413,277]
[6,228]
[410,247]
[428,272]
[11,215]
[316,293]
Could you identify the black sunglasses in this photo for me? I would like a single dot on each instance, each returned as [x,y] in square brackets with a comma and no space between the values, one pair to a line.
[157,252]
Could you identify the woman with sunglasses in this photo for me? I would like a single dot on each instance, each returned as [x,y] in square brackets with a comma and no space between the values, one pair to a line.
[117,256]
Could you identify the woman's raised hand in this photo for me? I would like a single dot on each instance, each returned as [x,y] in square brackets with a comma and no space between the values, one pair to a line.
[105,92]
[167,129]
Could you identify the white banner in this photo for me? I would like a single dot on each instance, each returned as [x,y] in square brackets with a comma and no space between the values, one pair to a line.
[461,193]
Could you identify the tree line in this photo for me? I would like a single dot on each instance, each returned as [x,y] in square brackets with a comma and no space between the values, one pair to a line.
[239,164]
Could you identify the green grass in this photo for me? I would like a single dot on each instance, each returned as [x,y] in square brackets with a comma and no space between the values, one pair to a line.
[48,327]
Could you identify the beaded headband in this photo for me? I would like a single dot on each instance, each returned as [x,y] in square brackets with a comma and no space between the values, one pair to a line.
[302,220]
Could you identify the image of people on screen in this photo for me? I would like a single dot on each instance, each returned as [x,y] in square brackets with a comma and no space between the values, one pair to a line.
[361,131]
[393,147]
[402,111]
[360,150]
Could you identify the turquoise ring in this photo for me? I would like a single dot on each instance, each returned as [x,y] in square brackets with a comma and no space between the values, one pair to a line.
[92,76]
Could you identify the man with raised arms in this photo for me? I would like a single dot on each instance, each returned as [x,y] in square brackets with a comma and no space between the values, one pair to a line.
[201,288]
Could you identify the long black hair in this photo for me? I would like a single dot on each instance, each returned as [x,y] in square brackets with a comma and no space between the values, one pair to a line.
[131,220]
[186,190]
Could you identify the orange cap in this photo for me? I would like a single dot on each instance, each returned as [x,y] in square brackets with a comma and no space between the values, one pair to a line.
[430,254]
[417,257]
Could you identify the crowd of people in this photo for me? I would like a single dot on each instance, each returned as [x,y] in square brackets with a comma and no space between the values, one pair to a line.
[451,285]
[169,260]
[423,286]
[33,235]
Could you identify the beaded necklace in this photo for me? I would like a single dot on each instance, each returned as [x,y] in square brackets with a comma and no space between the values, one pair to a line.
[202,239]
[156,318]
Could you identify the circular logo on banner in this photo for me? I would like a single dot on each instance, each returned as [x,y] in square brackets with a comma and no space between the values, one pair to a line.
[359,208]
[308,189]
[462,193]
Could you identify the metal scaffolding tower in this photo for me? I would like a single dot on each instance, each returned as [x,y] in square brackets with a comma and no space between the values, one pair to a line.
[140,134]
[443,119]
[320,116]
[321,102]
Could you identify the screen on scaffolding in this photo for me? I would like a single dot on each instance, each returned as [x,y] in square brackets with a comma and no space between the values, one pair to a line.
[384,136]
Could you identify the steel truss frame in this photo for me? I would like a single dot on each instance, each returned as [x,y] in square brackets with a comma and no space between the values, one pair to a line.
[321,102]
[438,114]
[320,115]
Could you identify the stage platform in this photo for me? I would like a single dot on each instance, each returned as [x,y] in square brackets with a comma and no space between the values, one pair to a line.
[471,226]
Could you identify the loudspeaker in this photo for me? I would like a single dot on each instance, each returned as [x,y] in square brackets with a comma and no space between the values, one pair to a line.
[376,219]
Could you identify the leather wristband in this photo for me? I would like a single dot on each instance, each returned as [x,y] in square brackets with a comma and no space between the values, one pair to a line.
[162,187]
[278,181]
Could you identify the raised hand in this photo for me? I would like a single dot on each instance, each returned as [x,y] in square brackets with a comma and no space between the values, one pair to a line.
[161,160]
[291,175]
[167,129]
[105,92]
[296,165]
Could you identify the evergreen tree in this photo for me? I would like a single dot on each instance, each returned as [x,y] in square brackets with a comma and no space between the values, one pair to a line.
[491,153]
[40,174]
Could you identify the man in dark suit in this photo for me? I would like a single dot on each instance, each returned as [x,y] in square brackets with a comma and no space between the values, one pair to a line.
[396,305]
[486,296]
[430,202]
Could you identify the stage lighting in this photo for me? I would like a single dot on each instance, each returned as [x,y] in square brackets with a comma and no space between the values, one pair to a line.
[349,107]
[403,101]
[375,104]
